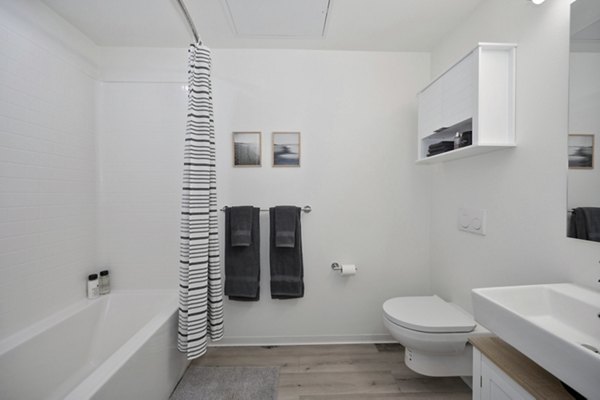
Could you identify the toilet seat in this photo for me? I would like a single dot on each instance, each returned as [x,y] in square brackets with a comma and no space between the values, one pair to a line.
[428,314]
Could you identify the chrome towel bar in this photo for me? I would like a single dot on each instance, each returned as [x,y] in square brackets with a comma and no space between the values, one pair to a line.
[305,209]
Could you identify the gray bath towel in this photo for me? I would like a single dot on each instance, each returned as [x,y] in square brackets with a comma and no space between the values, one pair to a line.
[240,222]
[287,270]
[285,226]
[242,263]
[585,223]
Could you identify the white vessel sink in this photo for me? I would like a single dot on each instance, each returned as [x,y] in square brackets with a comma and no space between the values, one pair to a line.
[556,325]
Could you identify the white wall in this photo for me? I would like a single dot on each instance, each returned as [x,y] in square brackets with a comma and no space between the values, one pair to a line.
[356,112]
[357,115]
[584,103]
[142,107]
[523,189]
[47,167]
[140,142]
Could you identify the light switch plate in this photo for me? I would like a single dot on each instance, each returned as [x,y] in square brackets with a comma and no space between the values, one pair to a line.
[472,220]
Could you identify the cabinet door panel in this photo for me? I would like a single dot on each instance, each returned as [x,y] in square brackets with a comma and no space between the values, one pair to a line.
[496,392]
[496,385]
[430,109]
[458,90]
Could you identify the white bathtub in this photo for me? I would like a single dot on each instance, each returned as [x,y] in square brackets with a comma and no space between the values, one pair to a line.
[119,346]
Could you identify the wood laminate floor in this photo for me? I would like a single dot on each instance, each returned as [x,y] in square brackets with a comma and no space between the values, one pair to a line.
[340,372]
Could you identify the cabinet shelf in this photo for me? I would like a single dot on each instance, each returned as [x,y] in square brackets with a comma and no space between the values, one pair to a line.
[462,152]
[477,94]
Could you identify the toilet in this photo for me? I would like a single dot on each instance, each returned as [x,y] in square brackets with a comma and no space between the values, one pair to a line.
[434,333]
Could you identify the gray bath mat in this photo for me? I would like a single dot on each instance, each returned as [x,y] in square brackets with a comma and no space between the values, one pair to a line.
[228,383]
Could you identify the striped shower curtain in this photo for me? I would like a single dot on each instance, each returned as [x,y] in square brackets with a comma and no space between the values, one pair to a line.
[200,287]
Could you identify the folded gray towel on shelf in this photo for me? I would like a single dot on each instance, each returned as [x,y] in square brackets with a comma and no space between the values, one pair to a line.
[242,263]
[287,269]
[285,226]
[241,226]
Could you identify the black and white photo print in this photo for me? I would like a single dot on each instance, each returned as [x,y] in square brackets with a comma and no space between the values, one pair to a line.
[286,149]
[581,151]
[246,149]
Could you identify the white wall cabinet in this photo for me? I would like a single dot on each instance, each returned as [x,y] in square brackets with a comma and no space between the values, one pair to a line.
[477,94]
[490,383]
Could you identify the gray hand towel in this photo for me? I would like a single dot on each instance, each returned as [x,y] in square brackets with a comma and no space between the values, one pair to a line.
[287,269]
[285,226]
[242,263]
[572,230]
[240,222]
[591,219]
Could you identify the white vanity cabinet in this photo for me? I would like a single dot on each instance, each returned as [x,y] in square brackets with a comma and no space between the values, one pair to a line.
[477,94]
[500,372]
[492,383]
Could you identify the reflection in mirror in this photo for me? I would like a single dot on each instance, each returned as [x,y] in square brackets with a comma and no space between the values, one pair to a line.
[583,213]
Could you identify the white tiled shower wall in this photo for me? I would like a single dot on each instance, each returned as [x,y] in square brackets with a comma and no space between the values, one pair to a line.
[140,147]
[47,178]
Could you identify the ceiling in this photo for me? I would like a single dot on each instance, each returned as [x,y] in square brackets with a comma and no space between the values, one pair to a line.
[381,25]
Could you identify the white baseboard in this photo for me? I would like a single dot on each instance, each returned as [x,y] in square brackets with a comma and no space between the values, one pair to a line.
[301,340]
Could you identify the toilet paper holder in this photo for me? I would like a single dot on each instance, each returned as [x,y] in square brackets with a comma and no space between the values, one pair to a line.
[337,266]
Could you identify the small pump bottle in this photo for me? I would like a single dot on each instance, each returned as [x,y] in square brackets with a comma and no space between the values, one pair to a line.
[457,140]
[104,282]
[92,286]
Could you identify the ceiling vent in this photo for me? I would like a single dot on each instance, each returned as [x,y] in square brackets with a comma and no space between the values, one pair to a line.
[278,18]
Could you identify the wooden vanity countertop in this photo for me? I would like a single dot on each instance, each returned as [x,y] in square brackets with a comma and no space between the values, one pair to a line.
[540,383]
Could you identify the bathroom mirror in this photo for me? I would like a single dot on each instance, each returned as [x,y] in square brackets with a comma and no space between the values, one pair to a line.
[583,193]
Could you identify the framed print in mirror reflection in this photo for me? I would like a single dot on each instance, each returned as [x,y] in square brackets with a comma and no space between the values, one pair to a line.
[581,151]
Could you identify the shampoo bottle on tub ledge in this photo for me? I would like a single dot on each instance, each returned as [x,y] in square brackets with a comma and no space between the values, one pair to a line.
[104,282]
[93,289]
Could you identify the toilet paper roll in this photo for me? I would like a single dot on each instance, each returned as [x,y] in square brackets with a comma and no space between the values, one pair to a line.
[348,269]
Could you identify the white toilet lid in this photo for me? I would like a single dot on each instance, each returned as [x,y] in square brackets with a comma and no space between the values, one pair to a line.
[428,314]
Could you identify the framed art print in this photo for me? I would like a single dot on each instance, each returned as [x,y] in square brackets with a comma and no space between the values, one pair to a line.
[286,149]
[581,151]
[247,149]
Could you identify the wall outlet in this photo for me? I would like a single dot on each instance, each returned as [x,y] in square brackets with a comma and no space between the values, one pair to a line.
[472,220]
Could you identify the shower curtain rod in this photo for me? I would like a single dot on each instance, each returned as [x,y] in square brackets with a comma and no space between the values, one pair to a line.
[189,19]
